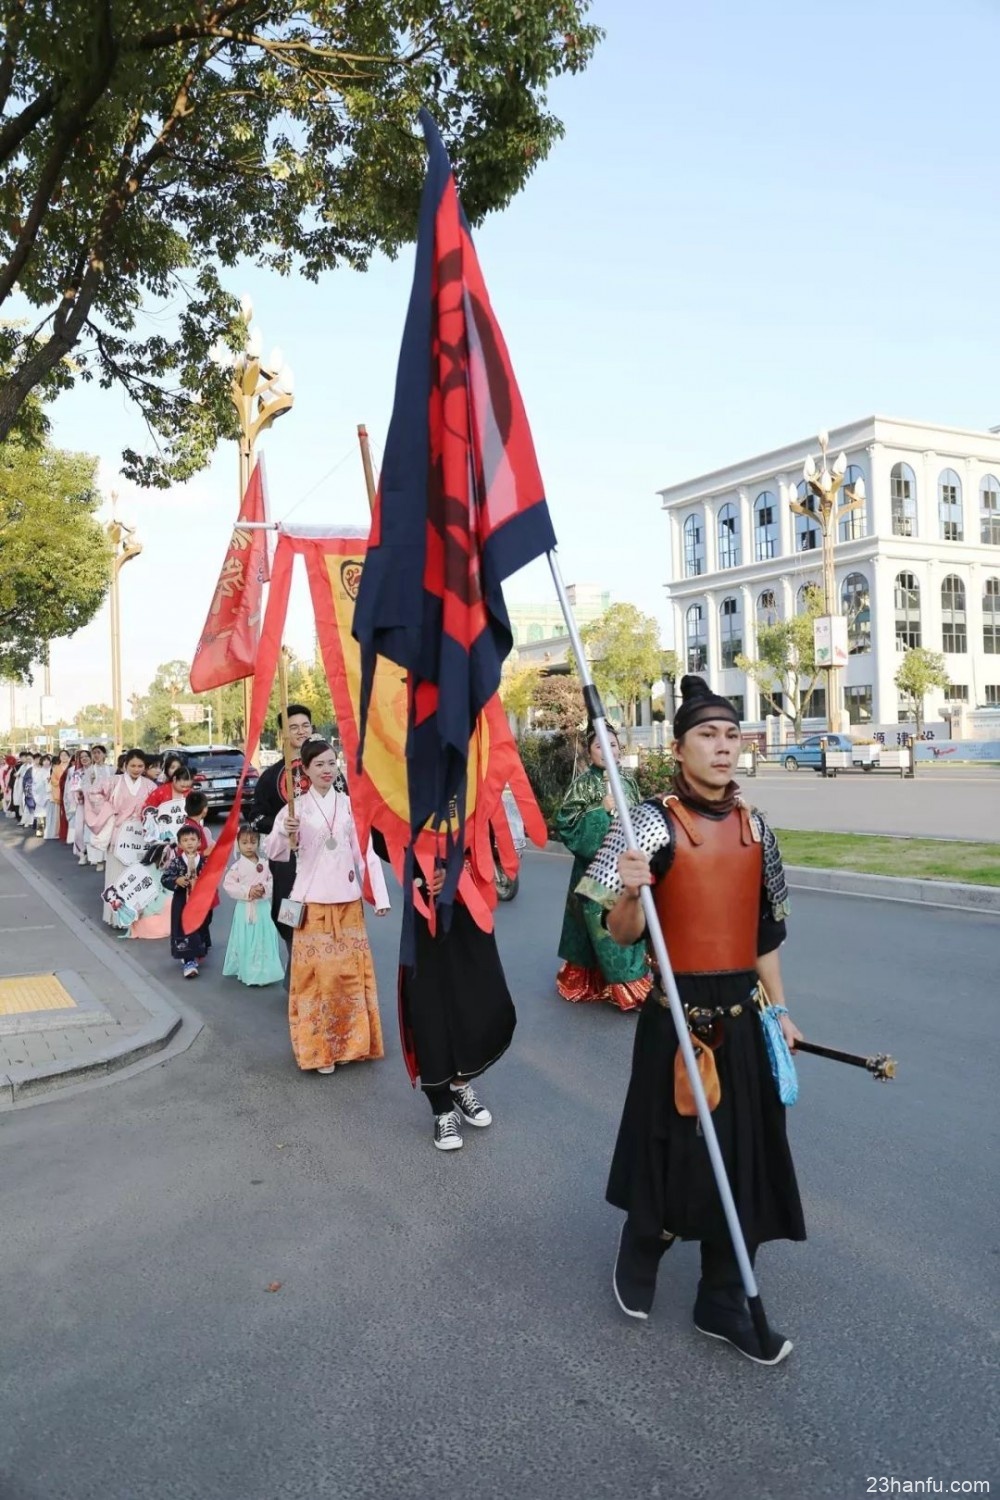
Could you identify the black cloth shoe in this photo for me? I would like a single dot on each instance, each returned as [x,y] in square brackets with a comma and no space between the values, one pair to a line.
[723,1314]
[634,1278]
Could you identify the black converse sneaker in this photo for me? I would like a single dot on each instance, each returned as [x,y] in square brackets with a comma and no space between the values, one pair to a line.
[473,1112]
[447,1135]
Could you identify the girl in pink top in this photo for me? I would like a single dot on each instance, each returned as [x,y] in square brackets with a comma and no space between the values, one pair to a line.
[332,1000]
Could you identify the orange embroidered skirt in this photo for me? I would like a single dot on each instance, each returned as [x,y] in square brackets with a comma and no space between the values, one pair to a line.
[332,1001]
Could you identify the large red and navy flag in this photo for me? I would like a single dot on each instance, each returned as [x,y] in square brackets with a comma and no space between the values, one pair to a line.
[460,507]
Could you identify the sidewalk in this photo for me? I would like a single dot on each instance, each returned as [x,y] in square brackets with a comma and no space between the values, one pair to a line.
[72,1004]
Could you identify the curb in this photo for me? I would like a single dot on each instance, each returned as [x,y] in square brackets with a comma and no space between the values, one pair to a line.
[942,893]
[165,1021]
[950,895]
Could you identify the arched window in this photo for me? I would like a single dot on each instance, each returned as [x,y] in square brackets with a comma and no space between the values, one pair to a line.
[730,630]
[808,535]
[991,617]
[856,604]
[854,523]
[907,611]
[767,608]
[694,547]
[954,638]
[950,506]
[803,598]
[535,633]
[765,526]
[729,537]
[903,492]
[697,638]
[989,512]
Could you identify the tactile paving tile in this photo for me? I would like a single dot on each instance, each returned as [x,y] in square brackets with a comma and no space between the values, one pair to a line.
[27,993]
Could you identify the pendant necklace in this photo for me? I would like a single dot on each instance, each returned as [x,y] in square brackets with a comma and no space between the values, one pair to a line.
[331,840]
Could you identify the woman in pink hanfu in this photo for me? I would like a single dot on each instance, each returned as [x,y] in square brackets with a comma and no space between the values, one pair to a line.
[123,797]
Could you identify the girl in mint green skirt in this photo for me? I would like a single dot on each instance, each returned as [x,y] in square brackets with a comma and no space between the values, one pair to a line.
[254,952]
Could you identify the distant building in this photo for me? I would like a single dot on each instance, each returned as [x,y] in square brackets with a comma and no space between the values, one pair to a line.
[918,566]
[540,622]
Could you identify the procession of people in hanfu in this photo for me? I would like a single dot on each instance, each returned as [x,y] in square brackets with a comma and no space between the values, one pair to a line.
[676,908]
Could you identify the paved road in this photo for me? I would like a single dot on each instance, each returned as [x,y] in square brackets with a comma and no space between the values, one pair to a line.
[445,1324]
[954,803]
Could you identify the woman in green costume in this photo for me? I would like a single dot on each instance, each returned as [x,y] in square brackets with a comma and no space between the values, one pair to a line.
[594,966]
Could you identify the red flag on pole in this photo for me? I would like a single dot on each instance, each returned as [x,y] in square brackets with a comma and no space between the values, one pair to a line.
[227,650]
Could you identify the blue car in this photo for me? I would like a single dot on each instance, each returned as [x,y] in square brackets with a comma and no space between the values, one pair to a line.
[810,751]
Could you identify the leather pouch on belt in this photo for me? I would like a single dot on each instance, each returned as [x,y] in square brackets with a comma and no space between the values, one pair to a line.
[707,1072]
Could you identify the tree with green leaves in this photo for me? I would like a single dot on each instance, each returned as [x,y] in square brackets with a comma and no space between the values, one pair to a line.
[919,671]
[557,705]
[626,659]
[95,721]
[518,687]
[786,662]
[145,148]
[55,557]
[169,713]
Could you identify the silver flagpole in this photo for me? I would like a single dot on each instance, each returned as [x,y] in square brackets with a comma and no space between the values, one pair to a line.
[595,712]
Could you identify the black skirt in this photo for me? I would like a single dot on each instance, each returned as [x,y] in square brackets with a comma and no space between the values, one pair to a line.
[455,1008]
[661,1173]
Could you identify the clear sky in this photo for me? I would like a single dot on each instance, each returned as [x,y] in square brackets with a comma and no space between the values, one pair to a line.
[763,220]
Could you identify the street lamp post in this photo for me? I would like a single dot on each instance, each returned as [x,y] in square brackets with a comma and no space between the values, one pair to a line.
[261,391]
[821,504]
[123,549]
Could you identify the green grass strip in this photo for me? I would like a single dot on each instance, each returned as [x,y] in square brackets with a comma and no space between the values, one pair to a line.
[918,859]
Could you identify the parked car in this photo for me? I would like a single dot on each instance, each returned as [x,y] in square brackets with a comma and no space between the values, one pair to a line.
[809,752]
[216,770]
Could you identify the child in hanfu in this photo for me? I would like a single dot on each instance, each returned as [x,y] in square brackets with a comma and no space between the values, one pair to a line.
[162,819]
[254,952]
[180,877]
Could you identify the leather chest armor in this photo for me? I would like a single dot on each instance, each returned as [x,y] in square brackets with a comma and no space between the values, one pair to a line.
[709,900]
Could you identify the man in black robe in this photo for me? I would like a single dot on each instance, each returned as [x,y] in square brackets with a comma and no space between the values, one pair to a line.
[269,797]
[720,894]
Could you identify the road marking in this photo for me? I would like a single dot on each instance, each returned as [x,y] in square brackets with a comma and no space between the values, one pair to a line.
[45,927]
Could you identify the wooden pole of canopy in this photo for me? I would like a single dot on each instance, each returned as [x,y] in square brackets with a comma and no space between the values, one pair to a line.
[366,464]
[286,743]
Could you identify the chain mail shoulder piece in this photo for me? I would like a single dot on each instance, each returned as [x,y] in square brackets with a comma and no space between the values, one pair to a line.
[775,887]
[602,883]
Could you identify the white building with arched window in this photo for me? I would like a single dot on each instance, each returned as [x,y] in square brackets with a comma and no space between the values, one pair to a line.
[918,565]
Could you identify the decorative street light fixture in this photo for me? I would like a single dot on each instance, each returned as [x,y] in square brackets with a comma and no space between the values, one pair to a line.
[821,503]
[123,549]
[261,391]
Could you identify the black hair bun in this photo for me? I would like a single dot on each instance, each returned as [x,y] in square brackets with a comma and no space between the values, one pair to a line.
[693,688]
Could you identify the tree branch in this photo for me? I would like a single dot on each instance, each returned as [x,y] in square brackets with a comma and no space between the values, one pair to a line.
[207,30]
[13,20]
[64,135]
[21,126]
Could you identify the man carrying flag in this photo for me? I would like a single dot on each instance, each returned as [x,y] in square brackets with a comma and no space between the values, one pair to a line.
[460,507]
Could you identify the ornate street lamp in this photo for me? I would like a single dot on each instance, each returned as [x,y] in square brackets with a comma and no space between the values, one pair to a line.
[822,504]
[261,391]
[123,549]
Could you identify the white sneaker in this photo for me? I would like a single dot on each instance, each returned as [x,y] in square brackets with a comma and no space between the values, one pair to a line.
[331,1069]
[447,1135]
[473,1112]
